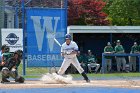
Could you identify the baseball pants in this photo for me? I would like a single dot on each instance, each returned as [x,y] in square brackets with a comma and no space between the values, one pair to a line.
[132,63]
[120,61]
[97,66]
[66,63]
[6,73]
[108,65]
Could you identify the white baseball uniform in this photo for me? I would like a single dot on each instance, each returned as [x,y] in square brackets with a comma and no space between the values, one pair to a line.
[69,58]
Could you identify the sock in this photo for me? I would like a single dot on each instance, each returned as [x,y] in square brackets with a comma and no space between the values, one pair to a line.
[85,76]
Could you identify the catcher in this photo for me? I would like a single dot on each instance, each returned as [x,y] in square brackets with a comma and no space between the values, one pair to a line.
[10,69]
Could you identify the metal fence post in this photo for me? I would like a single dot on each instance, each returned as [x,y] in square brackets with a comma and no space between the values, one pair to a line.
[23,24]
[103,64]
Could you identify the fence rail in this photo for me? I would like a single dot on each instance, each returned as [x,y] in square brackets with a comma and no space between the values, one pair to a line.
[124,54]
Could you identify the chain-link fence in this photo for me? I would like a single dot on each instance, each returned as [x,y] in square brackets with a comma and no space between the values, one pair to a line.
[11,16]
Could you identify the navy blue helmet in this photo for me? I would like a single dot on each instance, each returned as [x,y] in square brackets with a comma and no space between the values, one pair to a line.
[68,36]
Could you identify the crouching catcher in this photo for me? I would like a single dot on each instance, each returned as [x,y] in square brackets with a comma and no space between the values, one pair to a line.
[10,69]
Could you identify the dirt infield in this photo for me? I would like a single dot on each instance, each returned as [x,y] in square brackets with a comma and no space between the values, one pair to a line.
[95,83]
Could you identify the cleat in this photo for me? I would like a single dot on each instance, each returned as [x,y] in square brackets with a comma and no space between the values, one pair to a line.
[88,81]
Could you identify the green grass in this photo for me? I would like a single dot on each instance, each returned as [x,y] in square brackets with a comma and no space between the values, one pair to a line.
[37,72]
[33,72]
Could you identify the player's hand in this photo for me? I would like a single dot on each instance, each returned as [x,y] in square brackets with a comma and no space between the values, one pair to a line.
[108,52]
[68,53]
[73,52]
[64,53]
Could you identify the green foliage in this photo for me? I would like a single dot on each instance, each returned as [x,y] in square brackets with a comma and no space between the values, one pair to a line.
[123,8]
[33,71]
[123,12]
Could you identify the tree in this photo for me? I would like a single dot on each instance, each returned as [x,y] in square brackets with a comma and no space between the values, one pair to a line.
[124,12]
[137,5]
[86,12]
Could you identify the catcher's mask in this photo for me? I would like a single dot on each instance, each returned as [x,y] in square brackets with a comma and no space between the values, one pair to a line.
[6,49]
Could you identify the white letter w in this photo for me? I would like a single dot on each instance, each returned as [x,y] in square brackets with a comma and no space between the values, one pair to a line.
[47,26]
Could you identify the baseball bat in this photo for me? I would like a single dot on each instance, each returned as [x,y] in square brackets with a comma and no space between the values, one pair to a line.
[57,42]
[52,61]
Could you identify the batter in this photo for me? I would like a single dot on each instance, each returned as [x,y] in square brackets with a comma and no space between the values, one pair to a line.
[69,50]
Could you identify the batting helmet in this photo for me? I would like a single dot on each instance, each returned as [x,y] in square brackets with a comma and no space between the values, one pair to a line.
[68,36]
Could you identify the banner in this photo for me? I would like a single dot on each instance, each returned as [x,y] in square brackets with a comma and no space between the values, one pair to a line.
[12,38]
[43,26]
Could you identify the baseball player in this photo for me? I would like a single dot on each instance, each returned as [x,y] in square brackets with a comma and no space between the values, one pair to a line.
[10,69]
[69,51]
[119,59]
[108,50]
[92,62]
[132,59]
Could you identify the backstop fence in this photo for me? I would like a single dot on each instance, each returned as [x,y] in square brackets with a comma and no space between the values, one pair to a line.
[43,24]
